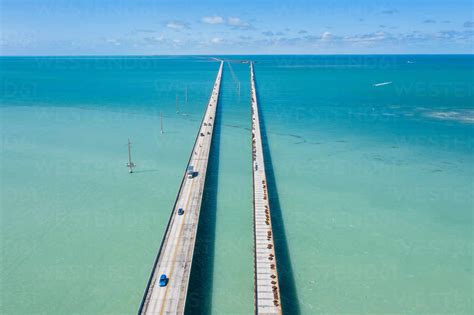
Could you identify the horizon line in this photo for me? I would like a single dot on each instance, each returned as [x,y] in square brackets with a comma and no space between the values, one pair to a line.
[212,55]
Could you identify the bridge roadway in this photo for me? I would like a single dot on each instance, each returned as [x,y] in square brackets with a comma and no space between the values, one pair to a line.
[175,255]
[266,286]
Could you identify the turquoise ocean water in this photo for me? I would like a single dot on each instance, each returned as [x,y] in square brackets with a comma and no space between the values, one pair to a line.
[370,163]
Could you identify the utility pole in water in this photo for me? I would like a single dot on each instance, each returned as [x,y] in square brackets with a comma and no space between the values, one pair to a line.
[186,95]
[130,164]
[177,105]
[161,122]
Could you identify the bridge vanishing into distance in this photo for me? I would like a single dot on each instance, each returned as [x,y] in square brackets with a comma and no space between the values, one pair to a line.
[175,256]
[167,287]
[267,289]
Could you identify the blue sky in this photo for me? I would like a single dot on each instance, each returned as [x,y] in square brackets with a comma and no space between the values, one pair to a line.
[95,27]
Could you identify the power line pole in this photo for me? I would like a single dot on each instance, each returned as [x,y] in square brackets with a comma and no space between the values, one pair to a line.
[177,105]
[186,95]
[130,164]
[161,122]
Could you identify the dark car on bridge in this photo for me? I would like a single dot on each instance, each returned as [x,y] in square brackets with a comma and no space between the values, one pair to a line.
[163,280]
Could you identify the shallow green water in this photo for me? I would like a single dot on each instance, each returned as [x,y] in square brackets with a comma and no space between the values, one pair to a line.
[372,186]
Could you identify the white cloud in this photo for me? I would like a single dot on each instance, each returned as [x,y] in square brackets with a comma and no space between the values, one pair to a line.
[234,21]
[370,37]
[213,19]
[326,36]
[237,23]
[216,40]
[176,25]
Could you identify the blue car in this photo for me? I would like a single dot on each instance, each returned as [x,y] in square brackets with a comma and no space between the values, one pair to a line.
[163,280]
[180,211]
